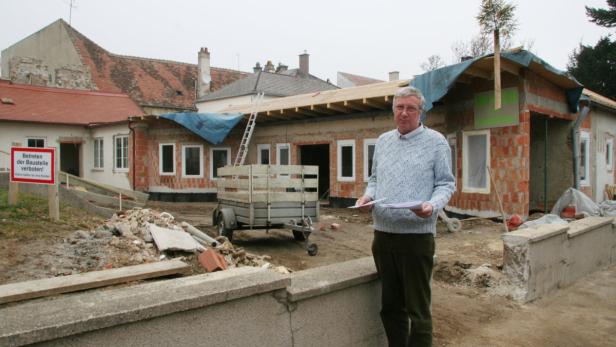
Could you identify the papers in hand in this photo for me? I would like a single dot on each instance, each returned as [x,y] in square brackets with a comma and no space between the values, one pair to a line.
[369,203]
[413,205]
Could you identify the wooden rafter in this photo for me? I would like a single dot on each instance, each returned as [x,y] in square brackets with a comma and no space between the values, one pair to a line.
[477,72]
[356,105]
[374,103]
[337,107]
[321,109]
[303,111]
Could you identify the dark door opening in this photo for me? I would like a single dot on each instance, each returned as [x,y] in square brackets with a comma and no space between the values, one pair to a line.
[317,155]
[551,161]
[69,158]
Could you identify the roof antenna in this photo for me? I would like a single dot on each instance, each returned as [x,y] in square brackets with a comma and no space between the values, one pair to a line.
[70,11]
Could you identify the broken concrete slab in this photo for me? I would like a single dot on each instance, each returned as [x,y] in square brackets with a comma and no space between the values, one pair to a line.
[170,239]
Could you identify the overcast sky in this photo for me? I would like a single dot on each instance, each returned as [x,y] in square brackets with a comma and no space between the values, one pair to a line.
[368,38]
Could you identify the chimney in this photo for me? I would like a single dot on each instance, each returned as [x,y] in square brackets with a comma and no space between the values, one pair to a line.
[257,68]
[204,78]
[394,75]
[281,68]
[269,67]
[304,64]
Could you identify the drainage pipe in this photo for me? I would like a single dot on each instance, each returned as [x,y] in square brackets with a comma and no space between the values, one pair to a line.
[574,135]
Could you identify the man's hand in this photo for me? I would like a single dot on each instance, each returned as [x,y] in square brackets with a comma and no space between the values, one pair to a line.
[364,199]
[425,211]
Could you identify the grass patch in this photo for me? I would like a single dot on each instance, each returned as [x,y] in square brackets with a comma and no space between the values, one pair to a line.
[29,218]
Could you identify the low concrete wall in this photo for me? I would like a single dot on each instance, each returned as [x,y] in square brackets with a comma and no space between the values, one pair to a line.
[336,305]
[547,257]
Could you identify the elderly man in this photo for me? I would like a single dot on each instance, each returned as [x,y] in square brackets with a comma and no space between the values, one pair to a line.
[411,163]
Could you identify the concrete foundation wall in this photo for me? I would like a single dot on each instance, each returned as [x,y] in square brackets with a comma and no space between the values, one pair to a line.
[336,305]
[548,257]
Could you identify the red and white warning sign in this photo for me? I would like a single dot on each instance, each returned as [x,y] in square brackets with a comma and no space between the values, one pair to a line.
[33,165]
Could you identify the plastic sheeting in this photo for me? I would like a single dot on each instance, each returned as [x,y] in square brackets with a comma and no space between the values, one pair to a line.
[435,84]
[212,127]
[547,219]
[579,200]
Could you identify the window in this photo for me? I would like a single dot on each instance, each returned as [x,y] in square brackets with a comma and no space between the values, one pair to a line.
[98,153]
[475,161]
[121,152]
[584,168]
[283,153]
[453,146]
[192,163]
[346,160]
[219,157]
[609,154]
[263,154]
[166,159]
[36,142]
[369,145]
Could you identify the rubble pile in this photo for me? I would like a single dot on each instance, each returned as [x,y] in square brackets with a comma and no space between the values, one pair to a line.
[125,239]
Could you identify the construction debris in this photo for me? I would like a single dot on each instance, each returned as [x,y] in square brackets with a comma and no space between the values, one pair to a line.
[144,235]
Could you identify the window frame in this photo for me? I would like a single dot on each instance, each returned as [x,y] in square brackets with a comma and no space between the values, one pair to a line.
[115,153]
[212,149]
[160,159]
[339,145]
[100,152]
[609,155]
[465,156]
[367,144]
[269,153]
[44,139]
[184,147]
[585,137]
[279,147]
[452,140]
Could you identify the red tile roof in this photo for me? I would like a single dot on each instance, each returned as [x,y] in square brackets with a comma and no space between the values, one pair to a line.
[150,82]
[28,103]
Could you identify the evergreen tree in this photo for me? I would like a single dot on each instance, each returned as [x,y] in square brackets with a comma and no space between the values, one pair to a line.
[595,67]
[603,17]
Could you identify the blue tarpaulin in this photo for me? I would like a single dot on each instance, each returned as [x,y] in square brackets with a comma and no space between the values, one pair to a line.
[212,127]
[435,84]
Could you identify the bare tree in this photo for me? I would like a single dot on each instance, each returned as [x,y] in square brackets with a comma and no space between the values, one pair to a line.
[496,17]
[434,62]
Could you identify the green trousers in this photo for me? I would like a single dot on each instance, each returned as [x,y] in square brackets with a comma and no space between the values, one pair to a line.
[404,263]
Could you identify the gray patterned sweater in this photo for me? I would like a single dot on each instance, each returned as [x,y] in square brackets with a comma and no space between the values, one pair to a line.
[414,166]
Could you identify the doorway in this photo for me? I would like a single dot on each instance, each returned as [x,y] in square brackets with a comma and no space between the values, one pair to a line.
[551,161]
[69,158]
[317,155]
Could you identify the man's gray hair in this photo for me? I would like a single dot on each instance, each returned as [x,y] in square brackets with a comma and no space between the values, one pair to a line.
[409,91]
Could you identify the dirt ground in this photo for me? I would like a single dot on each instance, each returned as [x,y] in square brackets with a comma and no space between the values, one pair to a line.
[471,300]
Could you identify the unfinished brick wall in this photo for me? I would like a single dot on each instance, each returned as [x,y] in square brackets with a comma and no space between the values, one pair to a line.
[29,71]
[73,77]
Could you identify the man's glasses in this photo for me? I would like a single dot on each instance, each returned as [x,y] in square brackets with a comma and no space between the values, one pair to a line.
[408,109]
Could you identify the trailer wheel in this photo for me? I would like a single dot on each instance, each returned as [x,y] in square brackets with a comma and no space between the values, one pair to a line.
[454,225]
[223,229]
[312,249]
[298,235]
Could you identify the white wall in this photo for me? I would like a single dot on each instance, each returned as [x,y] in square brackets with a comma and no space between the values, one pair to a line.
[107,174]
[604,128]
[16,133]
[217,105]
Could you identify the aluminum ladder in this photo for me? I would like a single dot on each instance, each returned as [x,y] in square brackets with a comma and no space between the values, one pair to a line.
[250,127]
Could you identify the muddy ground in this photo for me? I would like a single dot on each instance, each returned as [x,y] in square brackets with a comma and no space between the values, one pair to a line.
[471,300]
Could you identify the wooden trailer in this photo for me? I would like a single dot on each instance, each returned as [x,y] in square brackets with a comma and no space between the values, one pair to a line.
[268,197]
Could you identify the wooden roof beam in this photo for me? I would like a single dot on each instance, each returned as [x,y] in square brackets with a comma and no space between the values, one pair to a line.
[374,103]
[339,108]
[306,112]
[321,109]
[355,105]
[477,72]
